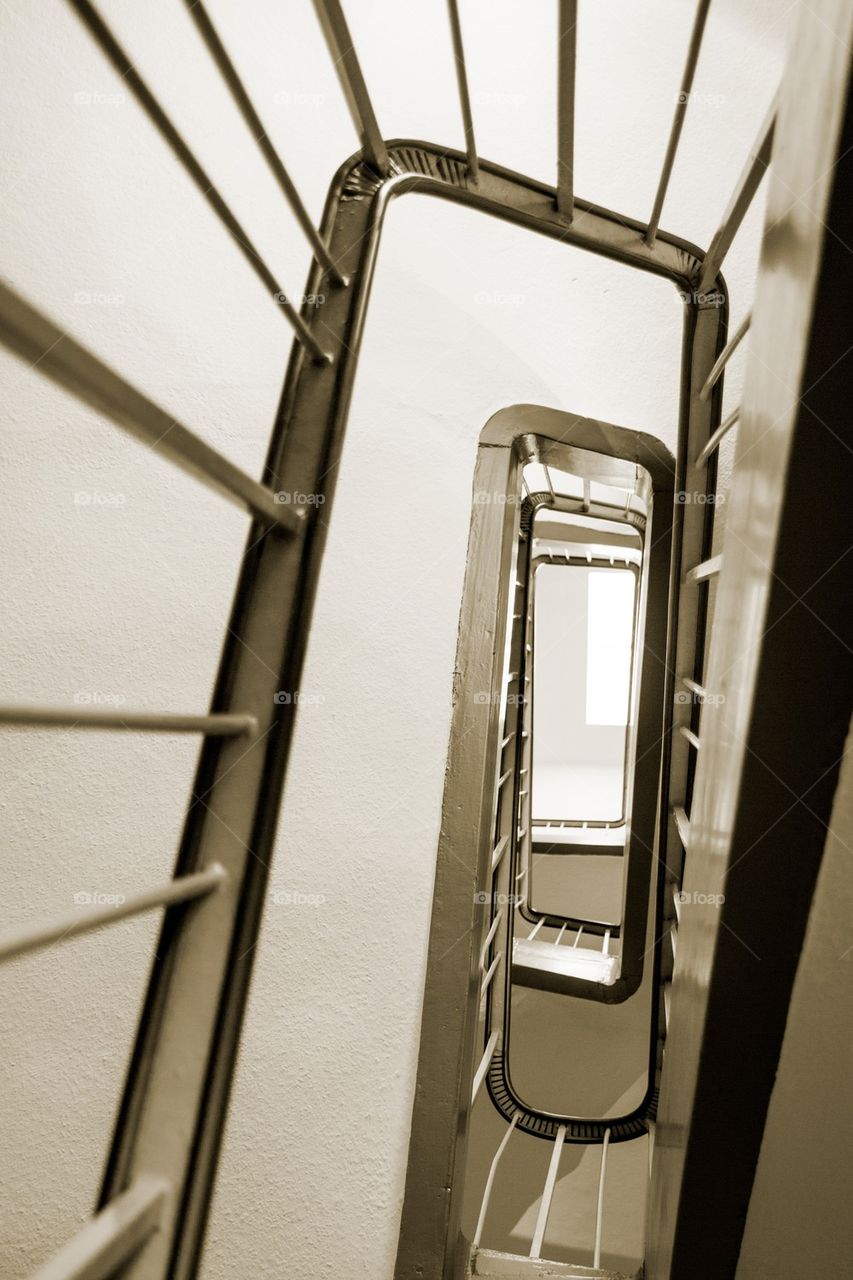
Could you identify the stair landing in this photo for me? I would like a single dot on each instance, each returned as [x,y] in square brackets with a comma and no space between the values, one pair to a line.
[493,1265]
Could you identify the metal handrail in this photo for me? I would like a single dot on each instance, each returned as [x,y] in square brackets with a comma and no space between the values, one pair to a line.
[212,726]
[56,355]
[46,933]
[116,55]
[245,106]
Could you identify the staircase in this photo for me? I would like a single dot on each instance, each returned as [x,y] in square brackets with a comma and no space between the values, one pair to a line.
[151,1214]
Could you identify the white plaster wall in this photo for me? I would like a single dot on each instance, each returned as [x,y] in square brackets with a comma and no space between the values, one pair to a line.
[126,594]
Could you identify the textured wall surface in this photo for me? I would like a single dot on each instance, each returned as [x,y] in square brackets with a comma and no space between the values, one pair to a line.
[118,573]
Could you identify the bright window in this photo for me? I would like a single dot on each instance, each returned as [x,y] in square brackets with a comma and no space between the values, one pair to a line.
[610,626]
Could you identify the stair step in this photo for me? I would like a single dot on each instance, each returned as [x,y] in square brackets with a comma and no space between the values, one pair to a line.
[532,959]
[579,840]
[511,1266]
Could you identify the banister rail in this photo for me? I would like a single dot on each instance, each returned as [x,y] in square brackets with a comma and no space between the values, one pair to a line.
[346,64]
[567,16]
[715,439]
[706,569]
[599,1206]
[681,102]
[116,55]
[725,356]
[111,1237]
[462,85]
[490,1181]
[58,356]
[225,725]
[244,103]
[34,936]
[741,198]
[547,1195]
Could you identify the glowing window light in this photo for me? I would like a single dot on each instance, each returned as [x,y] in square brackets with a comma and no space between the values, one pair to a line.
[610,626]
